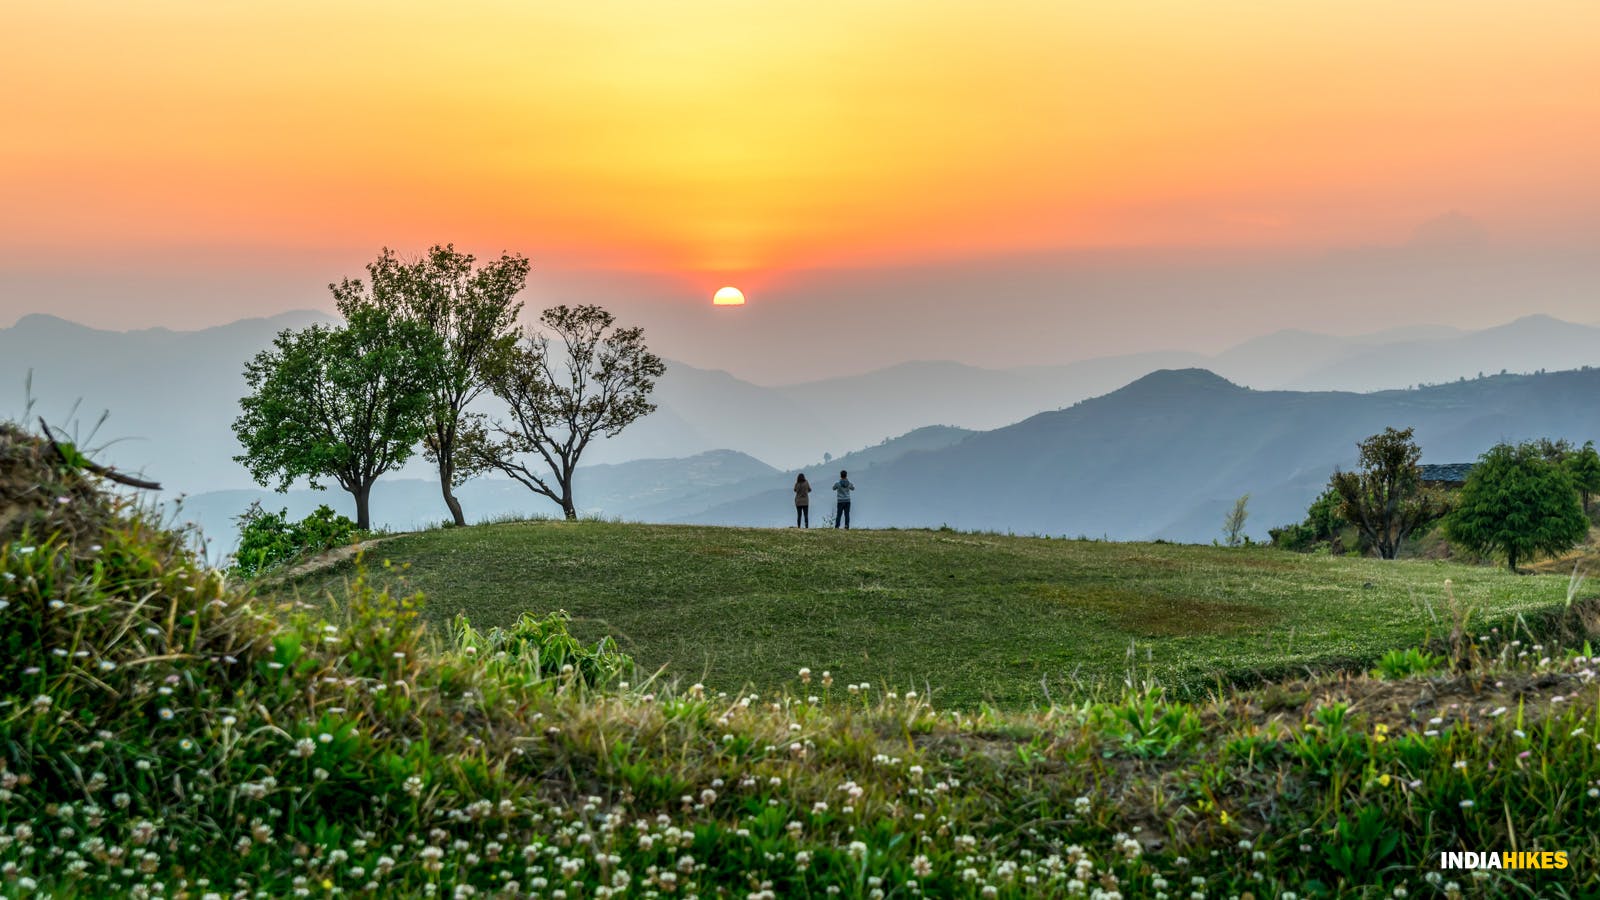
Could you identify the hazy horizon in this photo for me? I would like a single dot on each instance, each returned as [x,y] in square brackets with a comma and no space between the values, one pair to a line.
[1022,183]
[1076,306]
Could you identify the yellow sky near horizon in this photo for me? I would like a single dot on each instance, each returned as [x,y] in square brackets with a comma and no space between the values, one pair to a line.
[726,138]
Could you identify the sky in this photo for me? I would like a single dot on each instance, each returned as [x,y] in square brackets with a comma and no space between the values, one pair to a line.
[1011,181]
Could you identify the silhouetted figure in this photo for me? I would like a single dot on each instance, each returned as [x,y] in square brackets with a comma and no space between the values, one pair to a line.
[802,502]
[841,492]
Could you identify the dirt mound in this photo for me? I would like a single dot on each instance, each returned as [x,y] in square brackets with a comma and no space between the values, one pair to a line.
[43,495]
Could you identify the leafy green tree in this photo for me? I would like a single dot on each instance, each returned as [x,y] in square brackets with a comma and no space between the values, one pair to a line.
[347,403]
[1386,499]
[1516,503]
[1323,515]
[1556,451]
[1583,466]
[471,312]
[597,382]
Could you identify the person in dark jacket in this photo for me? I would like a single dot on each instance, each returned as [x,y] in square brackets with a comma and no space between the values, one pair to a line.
[841,493]
[802,502]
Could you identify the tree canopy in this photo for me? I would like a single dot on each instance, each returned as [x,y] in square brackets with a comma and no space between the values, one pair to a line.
[347,403]
[469,313]
[1583,465]
[1386,499]
[593,379]
[1517,503]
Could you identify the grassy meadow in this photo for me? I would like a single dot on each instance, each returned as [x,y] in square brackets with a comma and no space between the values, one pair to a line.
[167,733]
[965,618]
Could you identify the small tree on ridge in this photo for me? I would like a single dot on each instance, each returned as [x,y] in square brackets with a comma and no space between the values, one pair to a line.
[1386,499]
[596,383]
[1516,503]
[1583,465]
[347,403]
[471,313]
[1233,523]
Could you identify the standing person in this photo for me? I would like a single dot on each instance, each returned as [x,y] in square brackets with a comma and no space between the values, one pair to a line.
[841,492]
[802,502]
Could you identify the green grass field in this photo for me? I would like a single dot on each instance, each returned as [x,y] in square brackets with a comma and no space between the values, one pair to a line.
[971,617]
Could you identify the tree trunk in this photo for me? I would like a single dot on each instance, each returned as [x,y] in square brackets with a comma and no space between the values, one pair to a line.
[447,472]
[363,495]
[567,506]
[1511,559]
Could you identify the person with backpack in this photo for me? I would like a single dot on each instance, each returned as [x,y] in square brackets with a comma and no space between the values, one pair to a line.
[802,502]
[841,493]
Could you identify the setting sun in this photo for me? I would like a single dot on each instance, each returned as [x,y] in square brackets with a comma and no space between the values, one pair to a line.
[728,296]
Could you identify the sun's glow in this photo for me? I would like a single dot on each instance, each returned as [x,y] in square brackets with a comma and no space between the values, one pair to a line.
[728,296]
[848,135]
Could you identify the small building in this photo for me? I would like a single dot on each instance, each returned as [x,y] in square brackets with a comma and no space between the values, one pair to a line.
[1448,475]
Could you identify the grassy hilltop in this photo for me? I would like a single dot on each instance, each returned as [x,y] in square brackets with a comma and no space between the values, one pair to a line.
[974,617]
[164,733]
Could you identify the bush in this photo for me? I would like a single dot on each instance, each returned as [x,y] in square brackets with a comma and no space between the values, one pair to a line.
[545,649]
[268,539]
[1320,529]
[1398,664]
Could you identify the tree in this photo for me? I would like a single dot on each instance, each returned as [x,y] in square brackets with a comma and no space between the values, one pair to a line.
[1583,467]
[1555,451]
[1386,499]
[1517,503]
[347,403]
[600,384]
[1233,524]
[470,314]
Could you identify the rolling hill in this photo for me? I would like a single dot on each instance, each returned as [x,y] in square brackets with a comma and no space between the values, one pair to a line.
[978,617]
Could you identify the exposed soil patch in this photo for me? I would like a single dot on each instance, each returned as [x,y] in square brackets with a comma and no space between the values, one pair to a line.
[1148,614]
[327,560]
[1412,703]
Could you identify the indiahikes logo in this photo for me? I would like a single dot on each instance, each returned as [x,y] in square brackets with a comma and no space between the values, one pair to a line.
[1526,859]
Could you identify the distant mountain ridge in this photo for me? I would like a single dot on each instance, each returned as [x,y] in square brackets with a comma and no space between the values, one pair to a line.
[1167,455]
[173,394]
[1162,457]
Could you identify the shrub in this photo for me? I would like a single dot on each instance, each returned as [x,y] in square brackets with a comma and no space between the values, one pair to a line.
[545,648]
[269,539]
[1405,663]
[1321,527]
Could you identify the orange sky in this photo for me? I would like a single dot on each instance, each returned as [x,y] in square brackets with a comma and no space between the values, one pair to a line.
[735,140]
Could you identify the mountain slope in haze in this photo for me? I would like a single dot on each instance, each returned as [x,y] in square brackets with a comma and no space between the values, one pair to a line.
[171,396]
[701,409]
[1166,456]
[774,495]
[1529,344]
[903,397]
